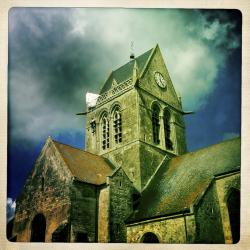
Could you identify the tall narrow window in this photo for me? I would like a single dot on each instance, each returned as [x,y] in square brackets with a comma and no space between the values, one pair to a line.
[117,122]
[156,123]
[105,132]
[166,120]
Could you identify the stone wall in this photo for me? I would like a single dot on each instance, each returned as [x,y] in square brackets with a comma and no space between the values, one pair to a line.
[152,154]
[45,192]
[121,205]
[84,209]
[177,126]
[208,218]
[179,229]
[129,158]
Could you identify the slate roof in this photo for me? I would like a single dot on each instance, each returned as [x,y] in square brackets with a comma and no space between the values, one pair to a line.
[126,71]
[85,166]
[178,183]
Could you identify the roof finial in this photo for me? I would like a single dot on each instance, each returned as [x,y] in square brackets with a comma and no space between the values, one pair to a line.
[132,55]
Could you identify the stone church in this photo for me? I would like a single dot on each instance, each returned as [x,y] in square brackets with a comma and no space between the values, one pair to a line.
[135,180]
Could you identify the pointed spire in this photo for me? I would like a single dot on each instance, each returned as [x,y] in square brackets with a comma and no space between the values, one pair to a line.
[132,55]
[179,97]
[114,83]
[49,138]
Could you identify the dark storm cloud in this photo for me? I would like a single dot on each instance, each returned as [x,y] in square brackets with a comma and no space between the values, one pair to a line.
[223,28]
[42,45]
[51,66]
[56,55]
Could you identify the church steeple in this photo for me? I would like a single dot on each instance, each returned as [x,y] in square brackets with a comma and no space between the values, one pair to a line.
[138,118]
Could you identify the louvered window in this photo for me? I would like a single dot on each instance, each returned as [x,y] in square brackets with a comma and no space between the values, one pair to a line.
[156,123]
[167,131]
[117,122]
[105,132]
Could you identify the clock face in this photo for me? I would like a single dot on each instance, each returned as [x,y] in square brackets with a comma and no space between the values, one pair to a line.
[160,80]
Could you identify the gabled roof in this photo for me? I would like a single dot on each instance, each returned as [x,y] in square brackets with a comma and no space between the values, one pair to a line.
[85,166]
[180,182]
[126,71]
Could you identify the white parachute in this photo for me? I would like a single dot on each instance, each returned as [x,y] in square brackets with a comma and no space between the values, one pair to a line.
[91,99]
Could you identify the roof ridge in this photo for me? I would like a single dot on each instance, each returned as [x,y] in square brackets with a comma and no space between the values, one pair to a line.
[104,82]
[133,59]
[155,172]
[211,146]
[148,60]
[66,145]
[61,155]
[77,148]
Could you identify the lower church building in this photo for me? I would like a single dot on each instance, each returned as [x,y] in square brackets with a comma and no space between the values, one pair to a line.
[135,180]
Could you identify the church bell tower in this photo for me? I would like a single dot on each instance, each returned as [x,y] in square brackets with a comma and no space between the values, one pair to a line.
[137,119]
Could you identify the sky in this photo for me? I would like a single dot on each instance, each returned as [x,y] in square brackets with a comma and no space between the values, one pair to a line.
[56,55]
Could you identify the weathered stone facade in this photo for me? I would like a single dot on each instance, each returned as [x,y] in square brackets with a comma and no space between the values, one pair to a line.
[47,192]
[84,207]
[121,204]
[208,218]
[135,182]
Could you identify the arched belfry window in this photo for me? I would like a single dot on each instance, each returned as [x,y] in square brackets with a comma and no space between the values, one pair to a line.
[167,131]
[156,123]
[105,131]
[117,125]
